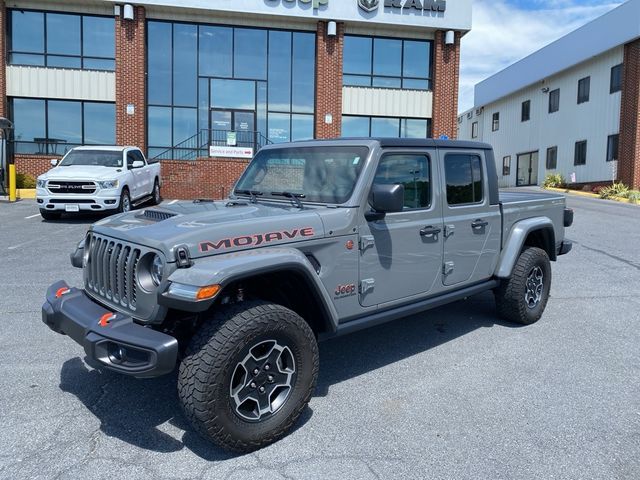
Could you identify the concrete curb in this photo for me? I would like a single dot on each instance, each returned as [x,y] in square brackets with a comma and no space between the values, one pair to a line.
[587,194]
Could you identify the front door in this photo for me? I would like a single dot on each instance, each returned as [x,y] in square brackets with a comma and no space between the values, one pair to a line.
[527,169]
[242,122]
[471,224]
[401,255]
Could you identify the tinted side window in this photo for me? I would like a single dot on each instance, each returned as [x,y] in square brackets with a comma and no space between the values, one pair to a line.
[412,171]
[138,156]
[130,159]
[463,174]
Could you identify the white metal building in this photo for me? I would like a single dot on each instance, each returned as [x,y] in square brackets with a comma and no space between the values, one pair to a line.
[559,109]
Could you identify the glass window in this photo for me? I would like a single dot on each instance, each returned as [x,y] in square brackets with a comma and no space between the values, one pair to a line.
[474,130]
[26,59]
[98,37]
[414,128]
[99,123]
[526,111]
[159,60]
[415,84]
[416,61]
[303,77]
[355,126]
[27,31]
[250,53]
[495,122]
[506,166]
[616,79]
[552,158]
[65,122]
[387,57]
[29,125]
[386,82]
[554,100]
[584,85]
[357,55]
[279,127]
[385,127]
[302,127]
[233,94]
[63,34]
[216,51]
[159,119]
[413,172]
[356,80]
[63,62]
[185,124]
[612,147]
[185,66]
[279,88]
[580,154]
[98,64]
[463,174]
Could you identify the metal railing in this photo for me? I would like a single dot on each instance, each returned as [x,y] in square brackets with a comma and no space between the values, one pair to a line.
[198,145]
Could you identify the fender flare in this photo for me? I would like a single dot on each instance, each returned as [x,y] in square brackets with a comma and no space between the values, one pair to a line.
[515,241]
[231,267]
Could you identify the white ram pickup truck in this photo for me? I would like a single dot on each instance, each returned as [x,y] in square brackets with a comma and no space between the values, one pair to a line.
[98,179]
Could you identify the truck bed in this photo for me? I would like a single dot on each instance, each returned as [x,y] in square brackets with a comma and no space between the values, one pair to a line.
[508,197]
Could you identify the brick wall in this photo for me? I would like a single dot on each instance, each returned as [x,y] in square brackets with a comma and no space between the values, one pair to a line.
[33,165]
[3,59]
[202,178]
[629,145]
[446,76]
[130,80]
[329,81]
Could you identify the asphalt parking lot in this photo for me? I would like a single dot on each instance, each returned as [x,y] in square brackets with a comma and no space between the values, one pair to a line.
[453,393]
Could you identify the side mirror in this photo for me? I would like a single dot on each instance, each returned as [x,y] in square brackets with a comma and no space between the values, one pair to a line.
[385,199]
[53,162]
[137,164]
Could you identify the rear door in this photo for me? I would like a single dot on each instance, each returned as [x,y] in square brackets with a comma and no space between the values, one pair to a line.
[471,224]
[401,255]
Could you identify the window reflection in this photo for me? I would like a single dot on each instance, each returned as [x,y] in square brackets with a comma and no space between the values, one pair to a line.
[233,94]
[250,53]
[363,126]
[216,51]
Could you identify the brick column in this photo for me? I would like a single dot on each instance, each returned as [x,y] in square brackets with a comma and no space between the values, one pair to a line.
[329,81]
[446,76]
[629,144]
[130,80]
[3,59]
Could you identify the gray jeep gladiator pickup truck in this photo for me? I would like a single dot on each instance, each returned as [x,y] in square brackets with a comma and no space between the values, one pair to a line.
[318,239]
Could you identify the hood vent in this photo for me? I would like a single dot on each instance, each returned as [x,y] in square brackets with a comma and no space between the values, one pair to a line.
[157,215]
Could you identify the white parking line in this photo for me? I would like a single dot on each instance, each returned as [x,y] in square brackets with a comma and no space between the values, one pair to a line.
[33,216]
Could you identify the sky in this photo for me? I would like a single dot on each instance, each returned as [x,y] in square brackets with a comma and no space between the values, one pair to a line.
[505,31]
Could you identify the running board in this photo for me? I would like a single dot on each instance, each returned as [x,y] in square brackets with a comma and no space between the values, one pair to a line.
[142,200]
[378,318]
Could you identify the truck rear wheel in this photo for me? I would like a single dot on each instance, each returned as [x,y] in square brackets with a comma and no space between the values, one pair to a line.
[523,296]
[248,374]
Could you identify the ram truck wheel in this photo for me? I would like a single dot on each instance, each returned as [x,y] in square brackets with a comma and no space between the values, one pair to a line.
[157,198]
[248,374]
[125,201]
[523,296]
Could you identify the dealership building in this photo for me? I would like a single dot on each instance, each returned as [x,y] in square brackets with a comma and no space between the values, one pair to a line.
[571,108]
[202,84]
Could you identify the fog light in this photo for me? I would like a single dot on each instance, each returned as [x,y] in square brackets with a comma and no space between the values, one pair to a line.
[117,354]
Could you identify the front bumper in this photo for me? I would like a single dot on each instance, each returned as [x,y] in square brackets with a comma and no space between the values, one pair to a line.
[565,247]
[100,201]
[120,345]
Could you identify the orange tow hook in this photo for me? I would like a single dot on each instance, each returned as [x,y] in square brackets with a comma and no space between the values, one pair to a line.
[105,319]
[62,291]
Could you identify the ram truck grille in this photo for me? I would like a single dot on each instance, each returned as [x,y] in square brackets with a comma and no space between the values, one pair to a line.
[83,188]
[110,271]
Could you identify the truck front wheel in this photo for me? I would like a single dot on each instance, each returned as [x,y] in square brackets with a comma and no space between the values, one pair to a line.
[125,201]
[523,296]
[248,374]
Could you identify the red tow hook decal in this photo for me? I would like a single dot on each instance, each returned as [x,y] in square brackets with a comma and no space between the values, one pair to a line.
[62,291]
[106,319]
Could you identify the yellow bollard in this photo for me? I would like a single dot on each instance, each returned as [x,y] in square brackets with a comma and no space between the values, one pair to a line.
[12,183]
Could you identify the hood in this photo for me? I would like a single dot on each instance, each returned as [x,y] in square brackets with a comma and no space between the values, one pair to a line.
[82,172]
[209,228]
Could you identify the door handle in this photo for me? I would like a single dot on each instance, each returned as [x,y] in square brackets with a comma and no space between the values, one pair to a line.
[429,231]
[479,224]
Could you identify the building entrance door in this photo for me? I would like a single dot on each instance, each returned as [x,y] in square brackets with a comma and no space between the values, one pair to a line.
[242,122]
[527,169]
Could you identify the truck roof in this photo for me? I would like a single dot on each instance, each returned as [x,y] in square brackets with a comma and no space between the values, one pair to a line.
[106,148]
[399,142]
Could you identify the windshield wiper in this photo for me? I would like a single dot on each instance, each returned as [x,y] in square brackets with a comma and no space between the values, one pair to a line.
[293,196]
[252,193]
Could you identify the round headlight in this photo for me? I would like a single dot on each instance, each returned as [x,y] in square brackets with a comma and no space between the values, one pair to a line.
[157,269]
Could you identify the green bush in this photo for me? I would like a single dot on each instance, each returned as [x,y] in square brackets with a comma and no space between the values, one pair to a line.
[615,190]
[633,196]
[554,180]
[24,180]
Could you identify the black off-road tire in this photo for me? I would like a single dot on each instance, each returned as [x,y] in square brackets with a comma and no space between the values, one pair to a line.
[156,198]
[125,198]
[49,215]
[510,295]
[223,341]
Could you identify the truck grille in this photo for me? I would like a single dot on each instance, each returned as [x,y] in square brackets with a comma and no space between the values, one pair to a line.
[111,271]
[83,188]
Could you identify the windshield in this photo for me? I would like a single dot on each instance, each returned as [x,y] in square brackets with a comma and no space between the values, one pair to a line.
[102,158]
[316,174]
